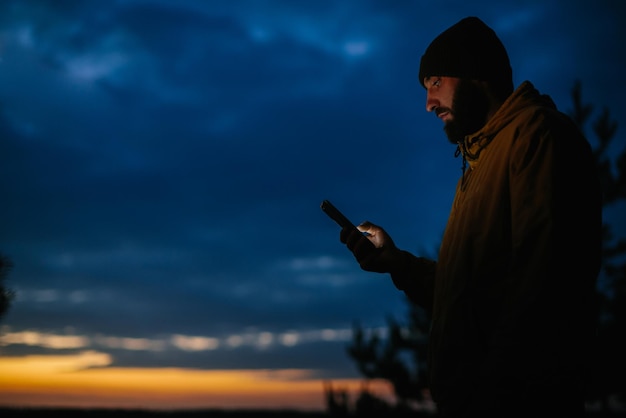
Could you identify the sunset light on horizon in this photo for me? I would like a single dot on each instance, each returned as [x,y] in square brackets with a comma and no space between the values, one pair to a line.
[83,380]
[87,378]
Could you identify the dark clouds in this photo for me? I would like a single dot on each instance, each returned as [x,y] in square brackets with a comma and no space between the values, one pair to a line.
[163,164]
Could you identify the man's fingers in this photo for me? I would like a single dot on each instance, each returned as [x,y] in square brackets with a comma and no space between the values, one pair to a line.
[344,234]
[362,247]
[354,238]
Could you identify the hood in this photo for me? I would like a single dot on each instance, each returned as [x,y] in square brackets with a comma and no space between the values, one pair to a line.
[525,96]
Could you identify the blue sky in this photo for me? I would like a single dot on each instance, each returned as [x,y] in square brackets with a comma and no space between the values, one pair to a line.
[163,163]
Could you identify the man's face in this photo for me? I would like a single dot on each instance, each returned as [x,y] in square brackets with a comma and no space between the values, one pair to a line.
[461,104]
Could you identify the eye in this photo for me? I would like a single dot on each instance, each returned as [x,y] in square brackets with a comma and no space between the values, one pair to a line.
[437,82]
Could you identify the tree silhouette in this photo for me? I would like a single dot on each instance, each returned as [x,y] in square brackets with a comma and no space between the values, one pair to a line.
[387,359]
[610,366]
[6,295]
[398,359]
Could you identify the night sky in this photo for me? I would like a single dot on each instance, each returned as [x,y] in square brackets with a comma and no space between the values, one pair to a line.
[163,165]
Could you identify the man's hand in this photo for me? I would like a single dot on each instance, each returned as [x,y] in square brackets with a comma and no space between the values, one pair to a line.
[372,247]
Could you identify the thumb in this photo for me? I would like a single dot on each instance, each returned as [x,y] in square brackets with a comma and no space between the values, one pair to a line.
[367,228]
[374,233]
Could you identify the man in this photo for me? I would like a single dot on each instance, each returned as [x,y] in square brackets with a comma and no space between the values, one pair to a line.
[511,292]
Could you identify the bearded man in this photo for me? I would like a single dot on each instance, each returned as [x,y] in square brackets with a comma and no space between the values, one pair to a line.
[510,294]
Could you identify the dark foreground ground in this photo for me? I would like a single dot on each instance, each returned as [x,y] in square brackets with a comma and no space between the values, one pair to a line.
[129,413]
[125,413]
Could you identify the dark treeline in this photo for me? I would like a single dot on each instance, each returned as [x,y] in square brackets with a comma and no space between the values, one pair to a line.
[209,413]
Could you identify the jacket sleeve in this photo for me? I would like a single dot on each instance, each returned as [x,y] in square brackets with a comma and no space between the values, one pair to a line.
[416,277]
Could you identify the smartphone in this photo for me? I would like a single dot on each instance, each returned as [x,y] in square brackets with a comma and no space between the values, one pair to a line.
[336,215]
[341,220]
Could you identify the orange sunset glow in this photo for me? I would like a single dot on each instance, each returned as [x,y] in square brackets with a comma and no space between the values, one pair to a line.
[83,380]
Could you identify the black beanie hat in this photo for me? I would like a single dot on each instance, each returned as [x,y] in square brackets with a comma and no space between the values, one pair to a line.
[468,49]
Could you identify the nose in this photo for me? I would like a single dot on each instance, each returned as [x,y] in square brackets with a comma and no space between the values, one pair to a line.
[431,102]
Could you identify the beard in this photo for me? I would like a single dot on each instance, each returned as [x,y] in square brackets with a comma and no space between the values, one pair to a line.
[470,106]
